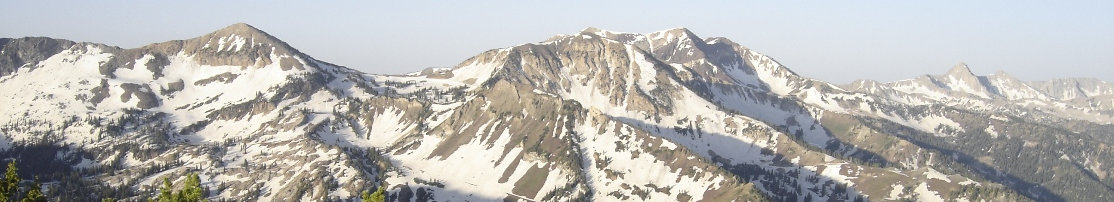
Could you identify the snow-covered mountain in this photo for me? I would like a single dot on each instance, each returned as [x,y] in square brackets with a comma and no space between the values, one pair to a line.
[594,115]
[1070,99]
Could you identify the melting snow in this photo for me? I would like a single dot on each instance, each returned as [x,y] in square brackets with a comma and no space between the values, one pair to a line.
[896,192]
[923,194]
[990,130]
[933,174]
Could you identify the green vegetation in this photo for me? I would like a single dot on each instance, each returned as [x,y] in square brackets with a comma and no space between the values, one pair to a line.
[9,187]
[1035,160]
[191,190]
[378,196]
[987,193]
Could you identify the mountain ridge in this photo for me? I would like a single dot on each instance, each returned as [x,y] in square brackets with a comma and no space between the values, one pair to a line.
[597,115]
[787,80]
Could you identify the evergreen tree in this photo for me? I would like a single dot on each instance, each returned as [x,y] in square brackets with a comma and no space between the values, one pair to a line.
[9,187]
[166,193]
[191,190]
[35,193]
[378,196]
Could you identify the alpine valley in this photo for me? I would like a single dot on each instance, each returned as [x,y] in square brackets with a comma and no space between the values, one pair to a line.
[591,116]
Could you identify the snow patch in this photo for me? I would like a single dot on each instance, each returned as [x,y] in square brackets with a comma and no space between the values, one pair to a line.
[990,131]
[923,194]
[933,174]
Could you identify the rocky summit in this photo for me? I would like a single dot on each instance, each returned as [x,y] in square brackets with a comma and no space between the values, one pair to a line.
[594,115]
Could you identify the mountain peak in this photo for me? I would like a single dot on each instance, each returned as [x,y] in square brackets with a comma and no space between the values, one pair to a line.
[603,32]
[676,32]
[249,43]
[240,28]
[960,69]
[242,35]
[592,30]
[596,31]
[1002,73]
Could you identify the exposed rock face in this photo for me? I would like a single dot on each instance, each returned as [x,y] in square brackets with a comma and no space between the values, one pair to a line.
[26,52]
[1067,89]
[219,103]
[147,98]
[596,115]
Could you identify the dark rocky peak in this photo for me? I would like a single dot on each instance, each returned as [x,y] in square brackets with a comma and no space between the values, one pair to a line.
[15,53]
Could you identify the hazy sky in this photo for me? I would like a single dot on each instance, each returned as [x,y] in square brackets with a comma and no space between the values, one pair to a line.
[837,41]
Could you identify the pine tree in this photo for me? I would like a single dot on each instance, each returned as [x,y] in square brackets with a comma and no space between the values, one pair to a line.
[4,193]
[378,196]
[166,193]
[9,187]
[191,191]
[35,193]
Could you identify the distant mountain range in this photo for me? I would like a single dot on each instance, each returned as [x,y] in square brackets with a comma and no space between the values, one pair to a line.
[595,115]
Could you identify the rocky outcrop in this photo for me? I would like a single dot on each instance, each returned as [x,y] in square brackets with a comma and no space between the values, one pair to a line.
[596,115]
[28,51]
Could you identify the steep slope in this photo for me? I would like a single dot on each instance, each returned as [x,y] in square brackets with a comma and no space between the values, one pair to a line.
[218,104]
[725,113]
[261,121]
[1017,125]
[26,51]
[1071,99]
[595,115]
[837,117]
[1074,88]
